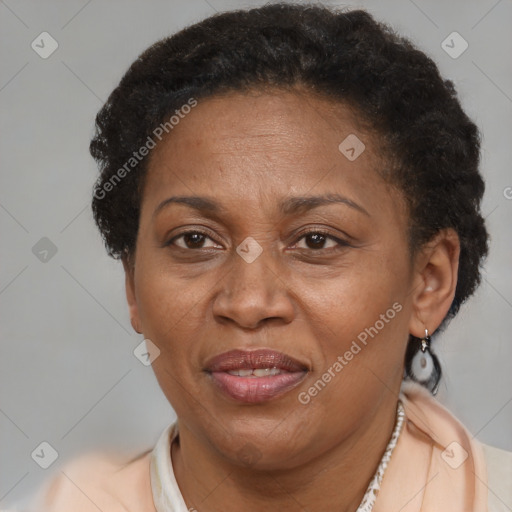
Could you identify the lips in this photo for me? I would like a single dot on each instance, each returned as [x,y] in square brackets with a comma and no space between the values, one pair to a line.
[255,376]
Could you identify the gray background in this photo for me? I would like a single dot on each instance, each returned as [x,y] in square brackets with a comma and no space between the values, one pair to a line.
[68,375]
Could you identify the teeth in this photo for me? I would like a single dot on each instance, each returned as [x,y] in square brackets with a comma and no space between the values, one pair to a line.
[261,372]
[256,372]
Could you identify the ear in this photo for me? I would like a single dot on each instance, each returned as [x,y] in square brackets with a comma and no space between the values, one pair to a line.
[435,281]
[129,272]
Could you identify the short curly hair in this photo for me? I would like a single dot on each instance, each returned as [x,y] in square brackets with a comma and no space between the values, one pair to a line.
[432,147]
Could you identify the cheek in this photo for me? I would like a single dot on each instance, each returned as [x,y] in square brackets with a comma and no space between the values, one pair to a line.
[360,294]
[168,307]
[362,317]
[171,316]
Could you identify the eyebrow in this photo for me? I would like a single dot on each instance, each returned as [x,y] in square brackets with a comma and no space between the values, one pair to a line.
[292,205]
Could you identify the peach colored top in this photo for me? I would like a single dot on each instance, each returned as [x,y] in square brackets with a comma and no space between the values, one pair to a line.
[436,466]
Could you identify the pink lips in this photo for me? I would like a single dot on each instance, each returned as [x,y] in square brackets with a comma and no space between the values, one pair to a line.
[282,374]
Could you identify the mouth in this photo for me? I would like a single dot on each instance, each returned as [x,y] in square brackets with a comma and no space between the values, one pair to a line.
[255,376]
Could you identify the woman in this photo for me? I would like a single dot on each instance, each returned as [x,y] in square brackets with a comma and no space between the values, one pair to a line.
[294,194]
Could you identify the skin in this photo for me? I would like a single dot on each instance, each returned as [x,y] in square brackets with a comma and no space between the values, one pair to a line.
[196,298]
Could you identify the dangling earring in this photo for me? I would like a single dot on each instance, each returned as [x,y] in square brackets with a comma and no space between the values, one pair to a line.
[424,366]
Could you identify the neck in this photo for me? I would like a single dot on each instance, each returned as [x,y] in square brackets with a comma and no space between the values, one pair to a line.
[335,480]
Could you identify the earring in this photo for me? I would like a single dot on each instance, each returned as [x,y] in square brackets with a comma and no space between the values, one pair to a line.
[424,366]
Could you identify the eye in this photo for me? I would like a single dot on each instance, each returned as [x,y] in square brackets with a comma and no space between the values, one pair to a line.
[313,240]
[192,240]
[317,240]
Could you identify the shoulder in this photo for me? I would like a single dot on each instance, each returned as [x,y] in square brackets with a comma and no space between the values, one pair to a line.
[98,481]
[499,474]
[489,471]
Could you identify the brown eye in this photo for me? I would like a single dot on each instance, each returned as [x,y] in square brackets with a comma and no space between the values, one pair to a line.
[191,240]
[316,240]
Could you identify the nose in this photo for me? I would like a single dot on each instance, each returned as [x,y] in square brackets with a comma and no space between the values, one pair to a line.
[253,293]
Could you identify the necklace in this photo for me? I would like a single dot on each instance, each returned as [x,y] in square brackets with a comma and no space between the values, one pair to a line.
[374,486]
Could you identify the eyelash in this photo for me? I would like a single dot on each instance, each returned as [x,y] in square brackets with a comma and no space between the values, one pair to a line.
[341,243]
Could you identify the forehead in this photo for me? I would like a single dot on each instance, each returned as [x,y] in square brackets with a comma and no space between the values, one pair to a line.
[258,120]
[266,144]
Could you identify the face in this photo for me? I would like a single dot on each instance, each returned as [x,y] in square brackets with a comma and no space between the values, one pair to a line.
[281,322]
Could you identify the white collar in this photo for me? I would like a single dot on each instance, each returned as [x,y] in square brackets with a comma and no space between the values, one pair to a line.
[166,493]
